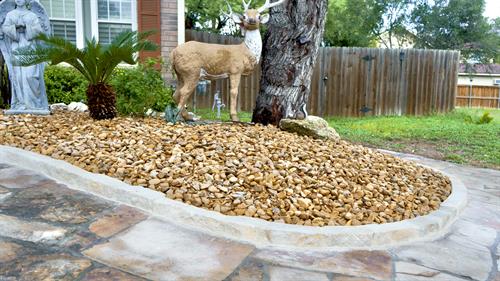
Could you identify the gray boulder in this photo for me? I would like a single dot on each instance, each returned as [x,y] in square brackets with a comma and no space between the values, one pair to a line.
[312,126]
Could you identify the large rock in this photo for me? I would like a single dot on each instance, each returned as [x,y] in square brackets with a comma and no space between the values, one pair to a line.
[78,106]
[312,126]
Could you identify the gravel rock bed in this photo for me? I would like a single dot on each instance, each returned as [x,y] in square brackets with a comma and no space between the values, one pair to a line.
[254,171]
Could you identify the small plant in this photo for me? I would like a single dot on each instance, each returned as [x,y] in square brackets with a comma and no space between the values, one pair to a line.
[485,119]
[96,62]
[140,89]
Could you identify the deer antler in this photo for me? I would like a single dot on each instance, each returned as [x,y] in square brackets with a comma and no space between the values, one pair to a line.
[269,5]
[246,5]
[230,11]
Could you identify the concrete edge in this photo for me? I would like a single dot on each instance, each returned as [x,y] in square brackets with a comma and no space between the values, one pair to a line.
[257,232]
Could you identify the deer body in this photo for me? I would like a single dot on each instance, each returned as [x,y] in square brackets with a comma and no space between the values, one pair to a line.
[193,61]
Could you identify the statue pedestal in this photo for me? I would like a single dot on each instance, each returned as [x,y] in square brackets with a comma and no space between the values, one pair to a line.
[27,111]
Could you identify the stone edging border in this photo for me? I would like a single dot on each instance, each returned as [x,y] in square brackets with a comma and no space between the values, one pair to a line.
[254,231]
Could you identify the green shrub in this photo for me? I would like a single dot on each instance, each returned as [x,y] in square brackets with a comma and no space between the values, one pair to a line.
[485,119]
[65,85]
[139,89]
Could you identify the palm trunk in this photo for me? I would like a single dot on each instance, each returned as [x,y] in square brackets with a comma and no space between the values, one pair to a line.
[101,100]
[290,51]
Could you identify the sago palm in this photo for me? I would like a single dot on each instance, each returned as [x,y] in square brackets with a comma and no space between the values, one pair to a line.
[96,62]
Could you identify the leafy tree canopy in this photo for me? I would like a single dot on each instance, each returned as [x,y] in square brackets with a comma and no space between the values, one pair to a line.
[456,24]
[209,15]
[353,23]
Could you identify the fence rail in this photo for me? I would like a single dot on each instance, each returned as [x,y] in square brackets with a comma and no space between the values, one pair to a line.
[478,96]
[359,81]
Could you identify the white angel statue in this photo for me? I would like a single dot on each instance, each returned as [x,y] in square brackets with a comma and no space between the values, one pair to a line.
[21,22]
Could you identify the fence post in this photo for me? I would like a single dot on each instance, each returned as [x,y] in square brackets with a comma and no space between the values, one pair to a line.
[498,100]
[469,101]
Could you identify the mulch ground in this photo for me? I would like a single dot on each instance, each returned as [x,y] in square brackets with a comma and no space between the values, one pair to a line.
[239,169]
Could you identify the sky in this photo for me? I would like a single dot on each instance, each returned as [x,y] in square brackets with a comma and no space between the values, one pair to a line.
[492,9]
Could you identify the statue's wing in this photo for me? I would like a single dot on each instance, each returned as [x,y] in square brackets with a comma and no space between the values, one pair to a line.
[39,10]
[5,7]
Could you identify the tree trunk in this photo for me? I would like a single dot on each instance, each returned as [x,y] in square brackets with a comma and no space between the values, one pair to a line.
[290,51]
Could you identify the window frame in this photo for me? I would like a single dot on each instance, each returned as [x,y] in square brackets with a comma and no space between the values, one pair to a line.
[94,8]
[78,19]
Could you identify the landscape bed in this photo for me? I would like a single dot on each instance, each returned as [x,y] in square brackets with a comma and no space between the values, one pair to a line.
[239,169]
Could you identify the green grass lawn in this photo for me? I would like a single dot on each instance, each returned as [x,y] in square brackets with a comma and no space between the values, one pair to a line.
[454,136]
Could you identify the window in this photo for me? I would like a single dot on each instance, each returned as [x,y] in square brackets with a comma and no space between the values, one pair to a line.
[62,18]
[114,16]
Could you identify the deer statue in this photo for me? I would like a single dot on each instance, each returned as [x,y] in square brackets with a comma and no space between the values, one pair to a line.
[193,61]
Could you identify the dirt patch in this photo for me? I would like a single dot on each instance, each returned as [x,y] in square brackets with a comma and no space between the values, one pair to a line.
[238,169]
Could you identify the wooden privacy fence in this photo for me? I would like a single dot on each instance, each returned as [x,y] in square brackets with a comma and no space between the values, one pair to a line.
[478,96]
[359,81]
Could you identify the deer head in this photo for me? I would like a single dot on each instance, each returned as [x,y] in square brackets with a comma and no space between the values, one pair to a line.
[252,18]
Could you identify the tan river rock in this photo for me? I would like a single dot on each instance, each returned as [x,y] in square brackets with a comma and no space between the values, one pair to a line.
[239,169]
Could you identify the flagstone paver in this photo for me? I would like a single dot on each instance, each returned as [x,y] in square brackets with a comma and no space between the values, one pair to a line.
[277,273]
[48,231]
[121,218]
[373,264]
[174,253]
[249,270]
[13,177]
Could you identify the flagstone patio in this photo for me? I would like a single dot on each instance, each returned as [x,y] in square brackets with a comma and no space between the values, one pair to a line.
[50,231]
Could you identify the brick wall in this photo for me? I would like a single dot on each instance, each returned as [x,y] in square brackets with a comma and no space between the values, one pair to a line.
[169,30]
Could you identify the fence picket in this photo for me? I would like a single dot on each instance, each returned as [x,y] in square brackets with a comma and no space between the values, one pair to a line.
[385,81]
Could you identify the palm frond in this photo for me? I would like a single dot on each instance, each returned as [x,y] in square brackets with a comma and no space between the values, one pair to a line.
[96,62]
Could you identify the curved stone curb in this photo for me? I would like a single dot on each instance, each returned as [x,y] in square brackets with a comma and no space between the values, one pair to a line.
[245,229]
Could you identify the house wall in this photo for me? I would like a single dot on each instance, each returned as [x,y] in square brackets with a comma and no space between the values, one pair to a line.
[477,79]
[172,30]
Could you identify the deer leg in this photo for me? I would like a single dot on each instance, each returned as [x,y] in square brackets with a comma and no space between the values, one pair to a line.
[234,80]
[183,93]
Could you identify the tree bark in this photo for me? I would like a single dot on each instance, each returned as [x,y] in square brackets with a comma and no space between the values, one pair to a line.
[290,50]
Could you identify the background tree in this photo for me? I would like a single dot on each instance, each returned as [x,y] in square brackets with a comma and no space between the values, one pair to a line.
[455,24]
[207,16]
[353,23]
[393,32]
[295,32]
[96,62]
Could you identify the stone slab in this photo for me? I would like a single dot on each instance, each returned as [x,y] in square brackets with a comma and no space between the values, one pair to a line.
[29,231]
[54,203]
[249,270]
[45,267]
[250,230]
[4,193]
[438,277]
[158,250]
[415,269]
[482,214]
[349,278]
[369,264]
[469,232]
[31,111]
[109,274]
[9,251]
[450,256]
[277,273]
[118,220]
[20,178]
